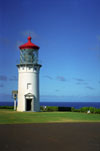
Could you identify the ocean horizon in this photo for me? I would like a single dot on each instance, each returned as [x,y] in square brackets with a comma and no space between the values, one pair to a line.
[76,105]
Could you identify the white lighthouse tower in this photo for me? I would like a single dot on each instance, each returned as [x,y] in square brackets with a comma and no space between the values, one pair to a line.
[28,78]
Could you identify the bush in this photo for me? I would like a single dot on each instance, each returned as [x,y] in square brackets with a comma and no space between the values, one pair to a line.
[51,108]
[75,110]
[41,108]
[97,111]
[84,109]
[72,109]
[92,109]
[48,108]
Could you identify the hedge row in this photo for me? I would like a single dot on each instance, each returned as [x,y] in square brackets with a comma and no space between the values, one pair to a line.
[71,109]
[6,107]
[86,109]
[55,108]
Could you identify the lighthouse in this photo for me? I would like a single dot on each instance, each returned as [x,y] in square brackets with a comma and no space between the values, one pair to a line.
[28,78]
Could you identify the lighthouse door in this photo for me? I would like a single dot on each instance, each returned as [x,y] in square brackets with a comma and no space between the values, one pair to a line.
[28,104]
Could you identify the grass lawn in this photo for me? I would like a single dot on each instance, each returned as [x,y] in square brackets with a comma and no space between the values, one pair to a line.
[8,116]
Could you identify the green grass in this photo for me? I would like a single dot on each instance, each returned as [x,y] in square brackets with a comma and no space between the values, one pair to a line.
[8,116]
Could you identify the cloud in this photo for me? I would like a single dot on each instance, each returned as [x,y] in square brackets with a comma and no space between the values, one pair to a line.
[89,87]
[30,33]
[85,83]
[1,85]
[57,90]
[78,83]
[3,78]
[82,83]
[13,78]
[79,79]
[48,77]
[61,78]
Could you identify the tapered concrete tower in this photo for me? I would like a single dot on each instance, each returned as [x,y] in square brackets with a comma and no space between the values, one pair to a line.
[28,78]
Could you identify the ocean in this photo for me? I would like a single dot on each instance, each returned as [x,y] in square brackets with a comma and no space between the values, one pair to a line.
[76,105]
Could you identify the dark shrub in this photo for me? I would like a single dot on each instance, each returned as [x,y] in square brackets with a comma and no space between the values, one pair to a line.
[64,108]
[41,108]
[6,107]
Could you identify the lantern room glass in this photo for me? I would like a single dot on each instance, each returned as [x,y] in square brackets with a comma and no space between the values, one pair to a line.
[28,56]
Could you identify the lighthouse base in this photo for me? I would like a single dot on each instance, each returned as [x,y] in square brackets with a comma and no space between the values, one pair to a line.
[29,103]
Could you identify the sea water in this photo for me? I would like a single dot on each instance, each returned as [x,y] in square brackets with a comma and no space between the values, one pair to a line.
[76,105]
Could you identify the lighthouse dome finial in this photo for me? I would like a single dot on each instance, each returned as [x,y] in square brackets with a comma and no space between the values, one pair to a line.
[29,38]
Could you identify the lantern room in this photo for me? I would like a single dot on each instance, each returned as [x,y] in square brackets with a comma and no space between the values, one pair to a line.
[29,53]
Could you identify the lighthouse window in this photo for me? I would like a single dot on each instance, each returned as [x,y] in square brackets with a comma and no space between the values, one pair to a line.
[29,85]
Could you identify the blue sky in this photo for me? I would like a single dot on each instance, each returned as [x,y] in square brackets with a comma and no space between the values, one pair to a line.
[68,33]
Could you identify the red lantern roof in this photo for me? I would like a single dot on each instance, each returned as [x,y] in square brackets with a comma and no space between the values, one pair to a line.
[29,45]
